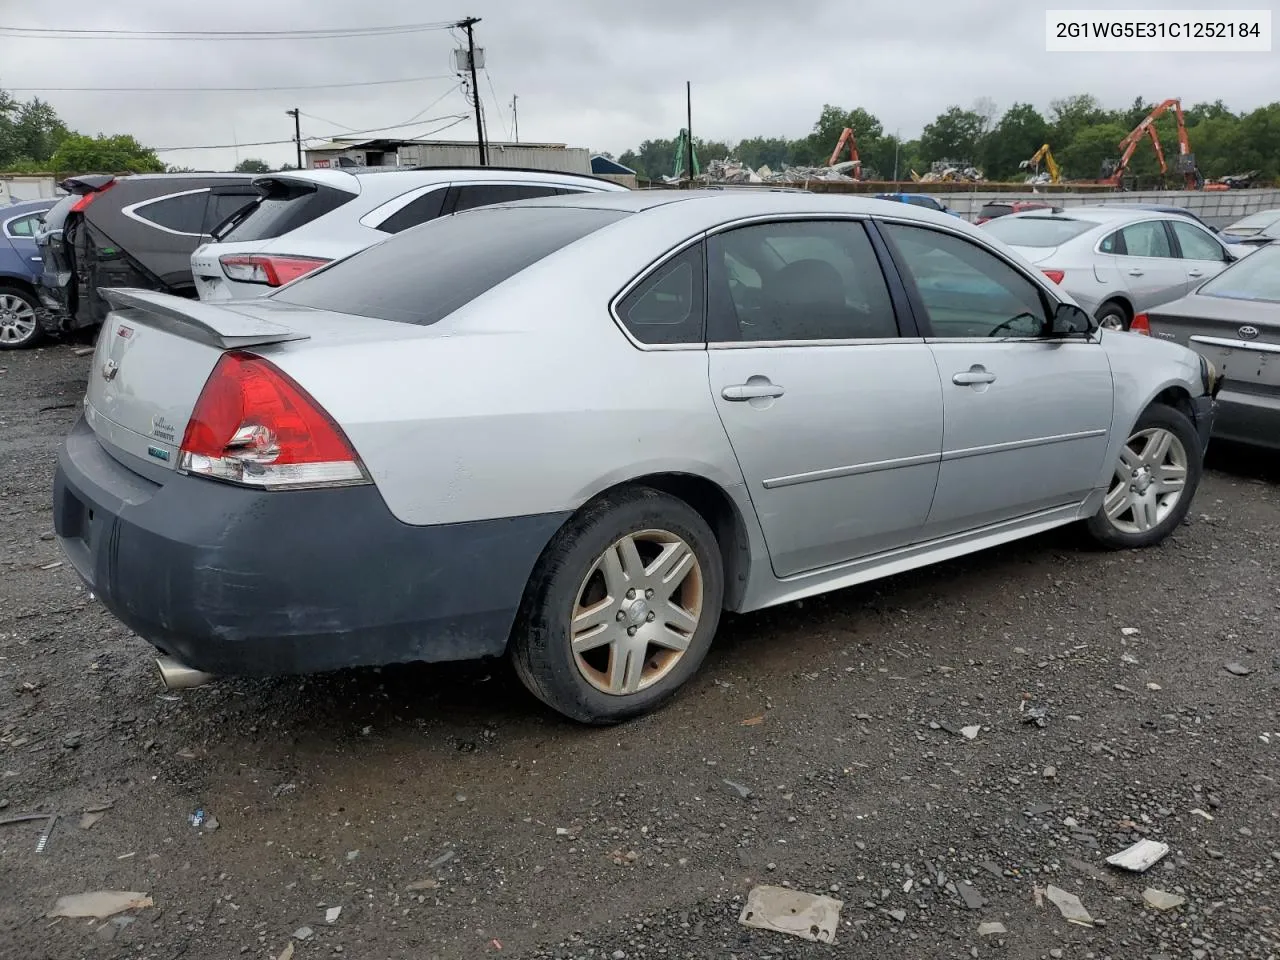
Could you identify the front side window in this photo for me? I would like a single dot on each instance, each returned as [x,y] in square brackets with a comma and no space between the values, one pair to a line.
[798,280]
[668,306]
[965,290]
[1195,243]
[1147,239]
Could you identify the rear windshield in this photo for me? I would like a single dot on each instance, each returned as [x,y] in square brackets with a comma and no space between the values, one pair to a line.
[424,274]
[995,210]
[285,205]
[1037,231]
[1256,277]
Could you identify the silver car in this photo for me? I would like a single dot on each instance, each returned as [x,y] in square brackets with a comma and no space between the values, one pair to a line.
[303,219]
[1116,262]
[1234,321]
[1256,229]
[575,430]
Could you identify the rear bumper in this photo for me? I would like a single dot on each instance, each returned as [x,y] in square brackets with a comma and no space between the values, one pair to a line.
[235,581]
[1248,417]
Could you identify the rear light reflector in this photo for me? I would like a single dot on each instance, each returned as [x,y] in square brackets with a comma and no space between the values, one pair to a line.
[1141,324]
[254,425]
[269,270]
[1054,275]
[92,195]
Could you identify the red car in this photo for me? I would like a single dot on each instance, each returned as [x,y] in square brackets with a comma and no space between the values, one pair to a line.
[1002,208]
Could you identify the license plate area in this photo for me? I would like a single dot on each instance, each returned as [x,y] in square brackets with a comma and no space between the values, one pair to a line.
[1242,365]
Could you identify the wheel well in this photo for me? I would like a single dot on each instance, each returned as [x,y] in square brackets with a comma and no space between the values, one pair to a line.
[20,284]
[722,516]
[1178,398]
[1120,302]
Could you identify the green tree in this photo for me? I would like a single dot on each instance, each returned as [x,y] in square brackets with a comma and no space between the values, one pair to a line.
[953,135]
[1018,135]
[252,165]
[815,150]
[1070,115]
[104,154]
[773,152]
[1082,157]
[39,130]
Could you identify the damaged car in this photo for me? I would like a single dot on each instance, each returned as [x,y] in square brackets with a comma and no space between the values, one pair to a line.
[573,431]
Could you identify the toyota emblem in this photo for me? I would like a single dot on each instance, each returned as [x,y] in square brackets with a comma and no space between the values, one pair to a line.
[109,370]
[1248,333]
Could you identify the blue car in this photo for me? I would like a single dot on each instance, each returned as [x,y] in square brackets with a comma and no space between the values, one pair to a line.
[20,269]
[918,200]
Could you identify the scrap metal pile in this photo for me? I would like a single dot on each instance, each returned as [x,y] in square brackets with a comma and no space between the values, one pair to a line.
[728,171]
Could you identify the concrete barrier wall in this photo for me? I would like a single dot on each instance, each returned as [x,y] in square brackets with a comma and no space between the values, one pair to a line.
[1216,207]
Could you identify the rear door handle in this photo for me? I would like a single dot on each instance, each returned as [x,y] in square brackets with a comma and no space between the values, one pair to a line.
[969,378]
[1135,273]
[1195,273]
[751,391]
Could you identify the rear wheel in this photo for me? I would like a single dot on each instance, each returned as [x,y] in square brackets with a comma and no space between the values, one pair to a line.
[1113,316]
[1153,481]
[621,609]
[19,324]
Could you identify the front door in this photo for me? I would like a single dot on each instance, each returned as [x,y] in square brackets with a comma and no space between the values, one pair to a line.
[1203,255]
[1026,417]
[835,418]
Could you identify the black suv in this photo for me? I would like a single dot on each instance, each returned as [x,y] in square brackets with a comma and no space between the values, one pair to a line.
[129,231]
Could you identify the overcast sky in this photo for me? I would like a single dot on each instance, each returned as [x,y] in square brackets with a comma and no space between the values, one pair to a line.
[604,74]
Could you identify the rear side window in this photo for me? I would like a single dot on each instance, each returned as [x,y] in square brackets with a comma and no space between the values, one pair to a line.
[182,213]
[284,205]
[420,210]
[471,196]
[24,226]
[669,305]
[423,275]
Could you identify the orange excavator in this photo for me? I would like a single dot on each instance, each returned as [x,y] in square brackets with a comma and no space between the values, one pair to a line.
[1113,171]
[847,139]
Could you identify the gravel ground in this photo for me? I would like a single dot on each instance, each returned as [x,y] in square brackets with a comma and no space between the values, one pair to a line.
[821,748]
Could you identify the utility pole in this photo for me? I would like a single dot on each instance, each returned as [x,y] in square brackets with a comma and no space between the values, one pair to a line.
[688,149]
[515,117]
[468,25]
[897,143]
[297,132]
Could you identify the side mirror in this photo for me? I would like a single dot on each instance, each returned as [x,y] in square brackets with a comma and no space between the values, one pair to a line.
[1070,321]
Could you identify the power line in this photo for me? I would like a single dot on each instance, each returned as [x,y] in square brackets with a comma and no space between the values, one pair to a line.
[333,33]
[497,106]
[313,86]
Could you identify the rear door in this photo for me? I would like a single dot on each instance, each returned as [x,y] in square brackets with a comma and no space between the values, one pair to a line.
[20,232]
[1026,417]
[833,410]
[1203,255]
[1146,263]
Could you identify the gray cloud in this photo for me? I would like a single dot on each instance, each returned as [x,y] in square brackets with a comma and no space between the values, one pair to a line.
[601,75]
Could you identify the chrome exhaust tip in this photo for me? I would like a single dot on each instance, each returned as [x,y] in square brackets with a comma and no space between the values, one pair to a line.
[178,676]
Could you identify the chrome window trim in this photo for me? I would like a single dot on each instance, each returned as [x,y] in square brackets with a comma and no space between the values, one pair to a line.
[1229,344]
[131,211]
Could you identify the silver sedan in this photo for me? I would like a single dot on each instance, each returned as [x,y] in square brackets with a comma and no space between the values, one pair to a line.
[574,430]
[1116,262]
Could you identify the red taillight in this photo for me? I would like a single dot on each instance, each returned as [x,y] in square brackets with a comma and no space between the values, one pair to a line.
[92,195]
[272,271]
[1054,275]
[255,426]
[1141,324]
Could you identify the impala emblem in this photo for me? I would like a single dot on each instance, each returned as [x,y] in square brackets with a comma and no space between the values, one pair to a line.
[1248,333]
[110,369]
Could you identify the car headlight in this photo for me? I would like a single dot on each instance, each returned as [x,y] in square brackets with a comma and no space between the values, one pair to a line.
[1209,377]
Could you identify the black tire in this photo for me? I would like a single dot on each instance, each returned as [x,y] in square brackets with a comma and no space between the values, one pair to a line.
[38,332]
[1113,316]
[1100,526]
[540,644]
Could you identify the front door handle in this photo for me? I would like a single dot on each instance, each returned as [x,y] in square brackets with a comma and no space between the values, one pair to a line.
[1135,273]
[1195,273]
[972,377]
[752,391]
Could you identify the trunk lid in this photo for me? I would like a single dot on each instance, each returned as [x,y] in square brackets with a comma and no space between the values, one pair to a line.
[154,354]
[1240,338]
[1037,255]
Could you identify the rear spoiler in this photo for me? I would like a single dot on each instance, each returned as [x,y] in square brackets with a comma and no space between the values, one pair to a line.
[218,326]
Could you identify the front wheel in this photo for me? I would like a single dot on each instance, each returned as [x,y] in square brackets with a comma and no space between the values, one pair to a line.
[1153,482]
[621,609]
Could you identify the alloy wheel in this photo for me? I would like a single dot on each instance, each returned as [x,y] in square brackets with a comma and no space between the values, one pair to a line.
[17,320]
[636,612]
[1112,321]
[1149,480]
